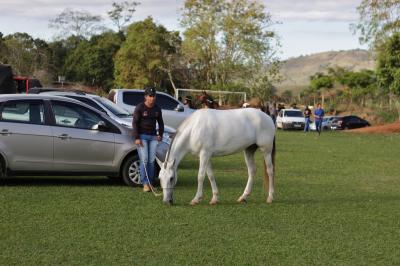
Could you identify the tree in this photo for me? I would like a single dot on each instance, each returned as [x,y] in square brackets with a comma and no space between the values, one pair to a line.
[360,84]
[92,61]
[388,68]
[145,55]
[26,55]
[122,13]
[321,82]
[81,24]
[378,19]
[226,41]
[287,96]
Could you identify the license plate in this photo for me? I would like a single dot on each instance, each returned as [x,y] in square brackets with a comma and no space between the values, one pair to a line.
[297,125]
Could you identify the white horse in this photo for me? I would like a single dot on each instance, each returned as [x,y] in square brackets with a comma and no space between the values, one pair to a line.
[210,132]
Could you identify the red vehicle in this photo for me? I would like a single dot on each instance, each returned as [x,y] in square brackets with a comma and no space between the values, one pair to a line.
[10,83]
[23,84]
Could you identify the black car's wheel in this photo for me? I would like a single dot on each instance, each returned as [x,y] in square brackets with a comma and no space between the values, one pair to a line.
[131,171]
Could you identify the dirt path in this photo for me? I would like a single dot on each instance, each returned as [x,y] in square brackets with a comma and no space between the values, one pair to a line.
[389,128]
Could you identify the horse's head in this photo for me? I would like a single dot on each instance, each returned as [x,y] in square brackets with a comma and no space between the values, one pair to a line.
[168,178]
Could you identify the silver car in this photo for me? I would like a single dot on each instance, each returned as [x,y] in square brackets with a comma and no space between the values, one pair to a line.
[43,134]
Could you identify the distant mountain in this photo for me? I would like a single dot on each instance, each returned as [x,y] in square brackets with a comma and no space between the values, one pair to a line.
[296,71]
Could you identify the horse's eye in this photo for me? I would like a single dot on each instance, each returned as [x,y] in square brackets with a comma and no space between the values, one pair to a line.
[171,180]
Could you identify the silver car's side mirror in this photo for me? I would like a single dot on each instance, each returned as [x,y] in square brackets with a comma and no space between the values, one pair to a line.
[179,108]
[101,126]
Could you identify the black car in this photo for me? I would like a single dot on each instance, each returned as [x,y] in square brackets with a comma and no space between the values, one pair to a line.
[349,122]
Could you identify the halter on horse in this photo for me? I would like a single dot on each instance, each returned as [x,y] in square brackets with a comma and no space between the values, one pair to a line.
[209,132]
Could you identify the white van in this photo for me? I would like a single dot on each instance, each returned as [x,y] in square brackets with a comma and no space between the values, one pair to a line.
[174,112]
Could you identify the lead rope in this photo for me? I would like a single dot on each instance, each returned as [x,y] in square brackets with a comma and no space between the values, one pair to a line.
[150,185]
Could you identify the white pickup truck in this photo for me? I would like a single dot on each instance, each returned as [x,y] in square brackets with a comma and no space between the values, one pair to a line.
[174,112]
[290,119]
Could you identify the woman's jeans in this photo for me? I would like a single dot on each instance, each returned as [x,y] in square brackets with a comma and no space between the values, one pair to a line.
[147,156]
[307,124]
[318,125]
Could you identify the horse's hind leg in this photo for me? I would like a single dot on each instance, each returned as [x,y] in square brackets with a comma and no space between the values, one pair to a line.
[270,172]
[251,168]
[210,174]
[204,159]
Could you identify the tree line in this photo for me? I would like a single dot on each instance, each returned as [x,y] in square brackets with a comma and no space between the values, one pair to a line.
[225,45]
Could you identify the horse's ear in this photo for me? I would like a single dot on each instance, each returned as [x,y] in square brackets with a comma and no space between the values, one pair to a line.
[172,163]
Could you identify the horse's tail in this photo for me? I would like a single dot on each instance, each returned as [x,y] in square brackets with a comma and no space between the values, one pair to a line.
[266,176]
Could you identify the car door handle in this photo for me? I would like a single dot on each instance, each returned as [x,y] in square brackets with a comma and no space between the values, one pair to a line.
[64,136]
[5,132]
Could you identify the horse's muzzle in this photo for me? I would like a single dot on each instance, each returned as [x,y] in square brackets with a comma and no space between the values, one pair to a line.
[167,196]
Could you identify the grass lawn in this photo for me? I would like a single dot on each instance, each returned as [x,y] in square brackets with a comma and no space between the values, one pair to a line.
[337,202]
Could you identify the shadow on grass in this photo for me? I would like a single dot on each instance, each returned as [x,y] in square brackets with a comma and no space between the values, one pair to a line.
[60,181]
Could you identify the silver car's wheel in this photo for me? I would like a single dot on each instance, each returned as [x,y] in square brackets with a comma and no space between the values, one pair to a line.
[134,172]
[131,171]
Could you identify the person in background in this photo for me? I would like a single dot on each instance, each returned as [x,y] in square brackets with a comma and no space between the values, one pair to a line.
[319,115]
[188,102]
[145,117]
[273,112]
[307,115]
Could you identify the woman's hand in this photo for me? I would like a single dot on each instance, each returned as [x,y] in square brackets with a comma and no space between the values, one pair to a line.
[138,142]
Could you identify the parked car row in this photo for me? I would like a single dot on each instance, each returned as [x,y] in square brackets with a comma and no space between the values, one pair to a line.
[294,119]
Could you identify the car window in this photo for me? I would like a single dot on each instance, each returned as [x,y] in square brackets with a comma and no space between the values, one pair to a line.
[165,102]
[73,115]
[23,111]
[133,97]
[112,107]
[293,114]
[87,101]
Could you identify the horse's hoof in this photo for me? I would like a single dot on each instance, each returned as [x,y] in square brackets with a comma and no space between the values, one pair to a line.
[194,202]
[242,200]
[213,202]
[269,200]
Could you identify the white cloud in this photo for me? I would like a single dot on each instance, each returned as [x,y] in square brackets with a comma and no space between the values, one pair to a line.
[322,10]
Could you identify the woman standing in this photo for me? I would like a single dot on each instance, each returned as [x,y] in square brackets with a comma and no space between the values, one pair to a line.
[145,117]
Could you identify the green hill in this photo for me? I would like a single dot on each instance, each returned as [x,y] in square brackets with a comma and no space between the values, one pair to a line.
[296,71]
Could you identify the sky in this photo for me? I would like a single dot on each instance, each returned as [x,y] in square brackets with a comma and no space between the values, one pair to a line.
[305,26]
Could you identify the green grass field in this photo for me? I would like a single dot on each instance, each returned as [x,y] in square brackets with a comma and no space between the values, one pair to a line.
[337,202]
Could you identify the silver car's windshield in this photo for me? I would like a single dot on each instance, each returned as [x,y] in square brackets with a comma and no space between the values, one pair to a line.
[115,109]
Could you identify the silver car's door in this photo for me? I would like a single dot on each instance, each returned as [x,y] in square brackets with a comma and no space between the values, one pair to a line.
[25,140]
[171,116]
[77,147]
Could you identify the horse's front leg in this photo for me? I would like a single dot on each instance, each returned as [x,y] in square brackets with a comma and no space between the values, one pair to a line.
[200,179]
[210,174]
[251,168]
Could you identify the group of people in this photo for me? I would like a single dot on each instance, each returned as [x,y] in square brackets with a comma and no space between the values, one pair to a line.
[319,114]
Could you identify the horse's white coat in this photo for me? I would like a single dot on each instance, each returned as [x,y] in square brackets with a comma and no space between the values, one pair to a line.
[210,132]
